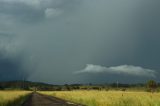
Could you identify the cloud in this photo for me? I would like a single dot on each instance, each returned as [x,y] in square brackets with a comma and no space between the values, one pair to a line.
[51,12]
[32,11]
[121,70]
[11,57]
[34,3]
[108,32]
[7,43]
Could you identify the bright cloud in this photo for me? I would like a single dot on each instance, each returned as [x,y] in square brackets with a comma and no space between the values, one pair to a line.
[122,69]
[51,12]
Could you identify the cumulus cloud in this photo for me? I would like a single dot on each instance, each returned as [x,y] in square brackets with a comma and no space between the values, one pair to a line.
[51,12]
[122,70]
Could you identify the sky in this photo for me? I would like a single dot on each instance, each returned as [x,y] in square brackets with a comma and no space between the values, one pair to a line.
[80,41]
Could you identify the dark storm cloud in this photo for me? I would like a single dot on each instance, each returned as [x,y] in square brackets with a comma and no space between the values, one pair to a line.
[10,59]
[54,38]
[23,46]
[20,11]
[31,11]
[147,25]
[10,69]
[3,34]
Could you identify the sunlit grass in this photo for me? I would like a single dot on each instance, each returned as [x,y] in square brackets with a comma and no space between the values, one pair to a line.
[109,98]
[13,98]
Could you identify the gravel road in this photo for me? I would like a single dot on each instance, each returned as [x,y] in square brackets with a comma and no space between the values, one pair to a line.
[43,100]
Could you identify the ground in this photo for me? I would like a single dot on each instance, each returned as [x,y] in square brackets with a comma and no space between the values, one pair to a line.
[37,99]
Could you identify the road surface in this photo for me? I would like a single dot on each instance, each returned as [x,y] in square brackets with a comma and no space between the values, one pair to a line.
[43,100]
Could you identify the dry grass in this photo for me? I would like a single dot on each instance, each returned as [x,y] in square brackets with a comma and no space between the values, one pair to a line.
[109,98]
[12,98]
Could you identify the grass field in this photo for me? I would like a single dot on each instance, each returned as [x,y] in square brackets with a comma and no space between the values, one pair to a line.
[109,98]
[12,98]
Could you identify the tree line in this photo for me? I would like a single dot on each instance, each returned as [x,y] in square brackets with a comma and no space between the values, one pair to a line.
[150,86]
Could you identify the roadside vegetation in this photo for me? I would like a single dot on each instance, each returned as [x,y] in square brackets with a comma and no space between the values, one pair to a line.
[108,98]
[13,98]
[114,94]
[111,95]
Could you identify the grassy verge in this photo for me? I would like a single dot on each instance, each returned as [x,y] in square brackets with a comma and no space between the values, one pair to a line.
[13,98]
[109,98]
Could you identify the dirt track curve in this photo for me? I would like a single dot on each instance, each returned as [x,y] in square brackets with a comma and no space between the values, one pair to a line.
[42,100]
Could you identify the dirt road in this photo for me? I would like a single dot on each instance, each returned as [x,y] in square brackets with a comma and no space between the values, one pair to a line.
[42,100]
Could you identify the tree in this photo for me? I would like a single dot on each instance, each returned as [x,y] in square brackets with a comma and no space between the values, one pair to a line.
[152,85]
[67,87]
